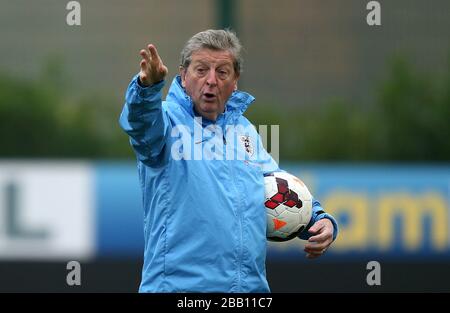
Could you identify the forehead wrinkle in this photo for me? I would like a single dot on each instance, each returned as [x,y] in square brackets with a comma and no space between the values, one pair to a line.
[207,59]
[214,61]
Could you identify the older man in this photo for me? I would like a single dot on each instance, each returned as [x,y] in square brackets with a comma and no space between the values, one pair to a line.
[204,218]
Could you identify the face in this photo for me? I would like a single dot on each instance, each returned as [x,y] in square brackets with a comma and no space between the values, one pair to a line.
[210,80]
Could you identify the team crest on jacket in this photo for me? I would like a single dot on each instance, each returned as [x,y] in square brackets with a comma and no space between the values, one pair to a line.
[246,142]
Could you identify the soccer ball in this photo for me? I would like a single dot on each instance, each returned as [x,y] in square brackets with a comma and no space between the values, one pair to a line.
[288,206]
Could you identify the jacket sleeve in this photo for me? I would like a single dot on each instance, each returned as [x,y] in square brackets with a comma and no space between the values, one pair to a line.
[318,214]
[144,120]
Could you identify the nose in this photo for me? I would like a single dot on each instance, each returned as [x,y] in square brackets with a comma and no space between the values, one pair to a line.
[211,79]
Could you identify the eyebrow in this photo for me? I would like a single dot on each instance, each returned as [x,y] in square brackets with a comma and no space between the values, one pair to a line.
[200,62]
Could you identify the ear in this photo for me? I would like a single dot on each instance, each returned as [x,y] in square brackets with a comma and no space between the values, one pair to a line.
[183,76]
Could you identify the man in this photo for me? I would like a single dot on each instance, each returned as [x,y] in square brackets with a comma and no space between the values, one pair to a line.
[204,217]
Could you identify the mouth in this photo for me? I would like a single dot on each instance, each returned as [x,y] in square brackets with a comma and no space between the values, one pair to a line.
[209,97]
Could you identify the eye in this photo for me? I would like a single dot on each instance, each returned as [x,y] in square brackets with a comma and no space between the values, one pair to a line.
[200,70]
[223,74]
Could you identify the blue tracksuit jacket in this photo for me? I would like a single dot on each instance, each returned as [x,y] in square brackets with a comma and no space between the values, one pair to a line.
[203,195]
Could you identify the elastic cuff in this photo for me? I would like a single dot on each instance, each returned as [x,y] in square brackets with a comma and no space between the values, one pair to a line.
[147,91]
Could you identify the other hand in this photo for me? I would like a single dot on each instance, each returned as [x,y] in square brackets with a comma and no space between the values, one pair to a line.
[322,232]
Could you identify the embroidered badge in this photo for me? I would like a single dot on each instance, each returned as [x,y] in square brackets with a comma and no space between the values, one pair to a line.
[247,144]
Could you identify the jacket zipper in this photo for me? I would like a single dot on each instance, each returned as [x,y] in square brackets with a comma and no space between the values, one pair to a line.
[238,210]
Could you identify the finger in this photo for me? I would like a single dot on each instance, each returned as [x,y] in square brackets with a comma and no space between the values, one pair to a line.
[316,227]
[321,237]
[145,55]
[164,70]
[154,53]
[319,250]
[312,255]
[316,247]
[143,65]
[315,251]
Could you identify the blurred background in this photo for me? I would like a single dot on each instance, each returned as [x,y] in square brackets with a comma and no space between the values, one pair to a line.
[364,115]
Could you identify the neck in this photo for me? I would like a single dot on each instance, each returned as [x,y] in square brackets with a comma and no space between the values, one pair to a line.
[209,116]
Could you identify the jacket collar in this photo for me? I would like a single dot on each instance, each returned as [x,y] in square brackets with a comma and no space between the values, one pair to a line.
[236,104]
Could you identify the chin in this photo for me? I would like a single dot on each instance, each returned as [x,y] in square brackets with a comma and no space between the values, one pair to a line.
[209,107]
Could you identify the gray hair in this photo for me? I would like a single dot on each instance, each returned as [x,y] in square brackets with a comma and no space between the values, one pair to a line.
[222,39]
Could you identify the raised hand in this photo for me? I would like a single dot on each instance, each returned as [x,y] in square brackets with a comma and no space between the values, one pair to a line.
[153,69]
